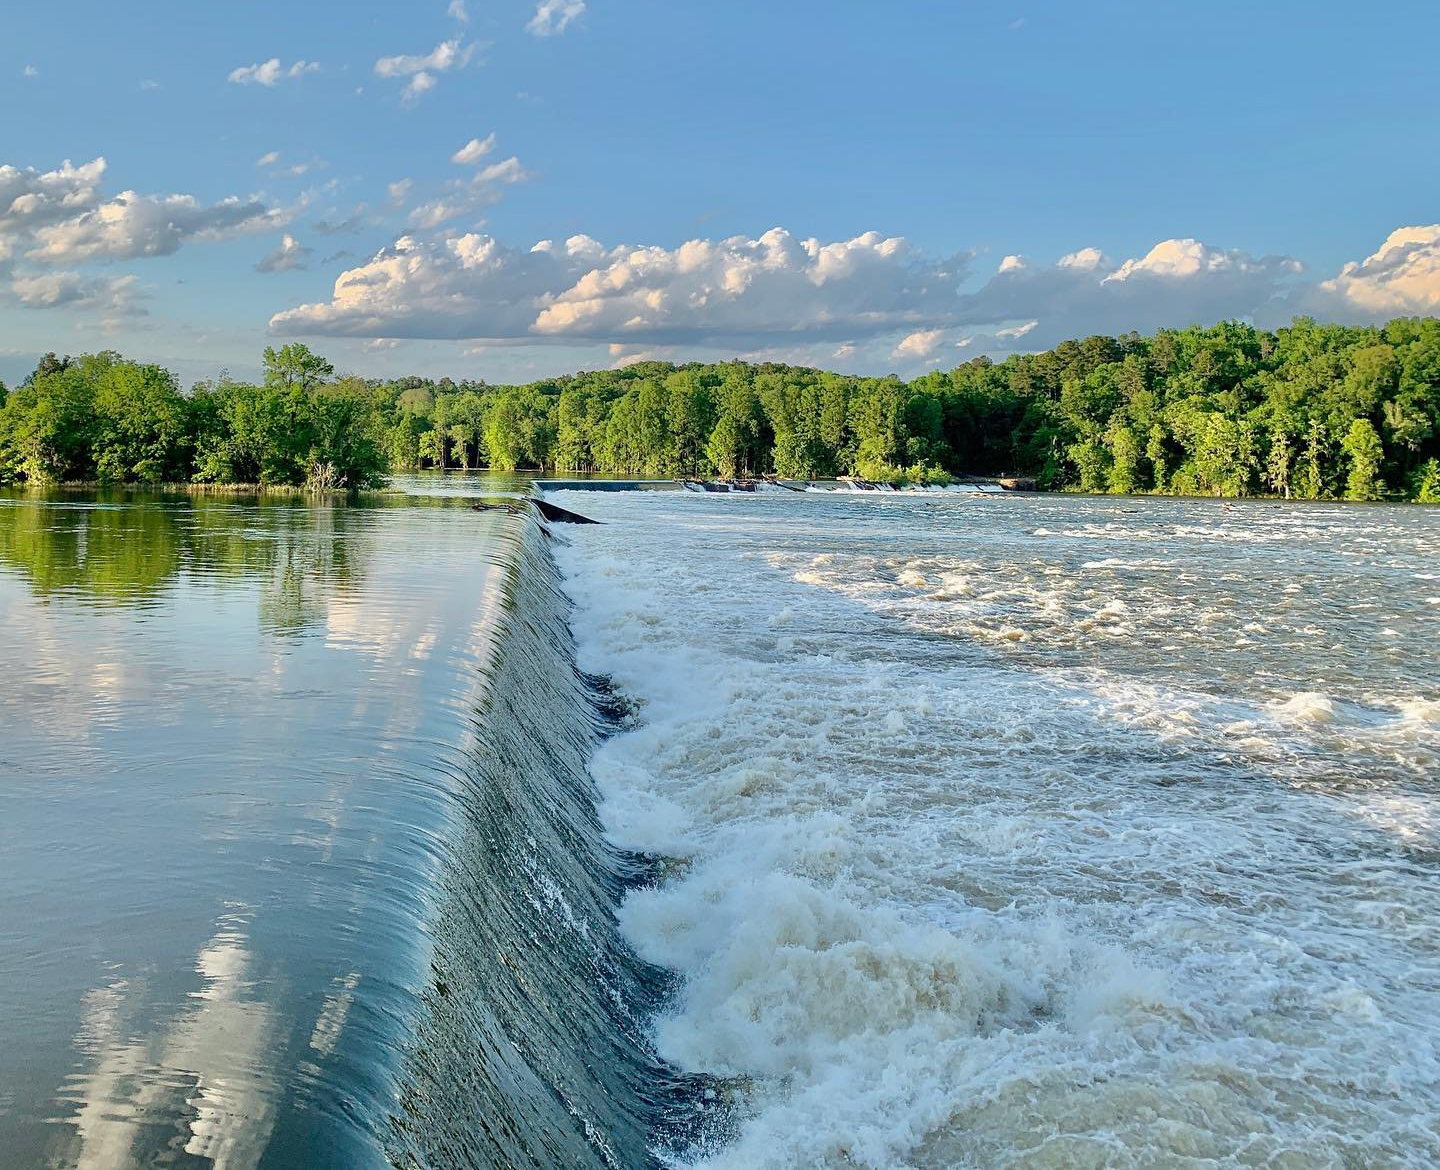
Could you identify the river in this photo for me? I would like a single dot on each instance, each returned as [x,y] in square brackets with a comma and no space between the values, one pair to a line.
[736,831]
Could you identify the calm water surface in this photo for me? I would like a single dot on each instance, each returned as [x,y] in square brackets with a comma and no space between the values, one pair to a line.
[241,746]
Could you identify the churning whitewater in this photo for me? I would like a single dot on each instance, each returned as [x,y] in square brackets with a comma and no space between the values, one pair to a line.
[1029,831]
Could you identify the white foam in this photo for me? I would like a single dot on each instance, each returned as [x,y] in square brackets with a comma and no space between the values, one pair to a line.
[941,905]
[1422,711]
[1308,707]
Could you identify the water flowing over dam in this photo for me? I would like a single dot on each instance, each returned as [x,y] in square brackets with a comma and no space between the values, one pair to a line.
[531,1048]
[299,847]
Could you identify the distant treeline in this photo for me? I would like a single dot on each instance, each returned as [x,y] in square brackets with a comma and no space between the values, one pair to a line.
[1310,411]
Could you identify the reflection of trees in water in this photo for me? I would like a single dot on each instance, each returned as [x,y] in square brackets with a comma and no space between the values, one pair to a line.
[298,555]
[302,554]
[107,554]
[286,607]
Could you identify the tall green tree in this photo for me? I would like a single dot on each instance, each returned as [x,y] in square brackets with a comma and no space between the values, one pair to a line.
[294,367]
[141,425]
[1362,445]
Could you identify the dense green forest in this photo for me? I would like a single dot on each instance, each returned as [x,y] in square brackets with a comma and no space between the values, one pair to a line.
[1310,411]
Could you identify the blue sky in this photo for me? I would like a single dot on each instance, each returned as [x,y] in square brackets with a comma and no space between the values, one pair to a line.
[947,179]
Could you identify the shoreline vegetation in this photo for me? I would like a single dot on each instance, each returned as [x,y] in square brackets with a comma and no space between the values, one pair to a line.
[1306,412]
[278,491]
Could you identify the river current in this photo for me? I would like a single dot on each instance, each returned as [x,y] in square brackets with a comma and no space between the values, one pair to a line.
[1041,831]
[736,831]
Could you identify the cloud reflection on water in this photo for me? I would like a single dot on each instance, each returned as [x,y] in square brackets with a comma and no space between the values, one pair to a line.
[196,1080]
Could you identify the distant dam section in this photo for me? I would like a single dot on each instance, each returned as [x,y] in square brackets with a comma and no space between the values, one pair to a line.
[845,484]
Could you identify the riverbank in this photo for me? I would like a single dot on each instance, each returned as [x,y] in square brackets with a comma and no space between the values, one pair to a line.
[1307,411]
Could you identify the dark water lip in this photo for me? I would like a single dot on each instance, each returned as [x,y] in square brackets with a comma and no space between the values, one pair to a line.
[298,846]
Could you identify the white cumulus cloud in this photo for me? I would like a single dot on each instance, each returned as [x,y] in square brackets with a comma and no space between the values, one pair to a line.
[30,199]
[868,300]
[553,17]
[271,72]
[436,212]
[499,173]
[1086,259]
[918,346]
[776,284]
[115,296]
[61,217]
[422,68]
[1171,258]
[422,82]
[1401,277]
[441,58]
[474,150]
[740,290]
[132,225]
[1178,282]
[468,287]
[464,196]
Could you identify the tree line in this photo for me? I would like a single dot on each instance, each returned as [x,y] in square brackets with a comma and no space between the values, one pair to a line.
[1309,411]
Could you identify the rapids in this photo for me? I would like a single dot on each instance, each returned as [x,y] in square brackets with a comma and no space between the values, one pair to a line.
[1040,831]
